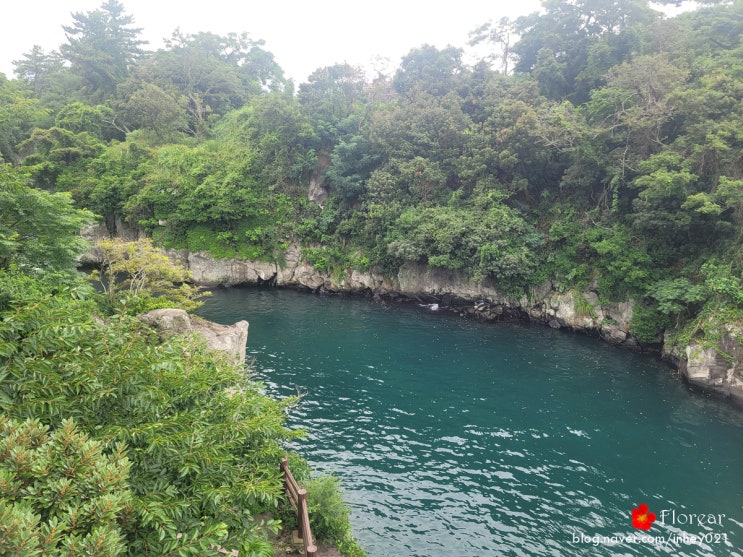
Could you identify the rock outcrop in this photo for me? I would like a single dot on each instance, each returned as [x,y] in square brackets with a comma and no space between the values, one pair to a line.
[449,289]
[97,231]
[230,339]
[93,233]
[715,366]
[294,272]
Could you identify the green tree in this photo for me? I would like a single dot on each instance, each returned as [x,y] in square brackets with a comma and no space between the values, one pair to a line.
[18,116]
[352,162]
[572,43]
[136,277]
[58,157]
[151,108]
[207,75]
[426,126]
[39,231]
[282,140]
[678,297]
[202,438]
[101,48]
[429,69]
[78,118]
[331,97]
[490,242]
[38,70]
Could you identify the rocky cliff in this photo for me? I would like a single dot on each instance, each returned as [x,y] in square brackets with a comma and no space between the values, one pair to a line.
[447,289]
[715,368]
[714,365]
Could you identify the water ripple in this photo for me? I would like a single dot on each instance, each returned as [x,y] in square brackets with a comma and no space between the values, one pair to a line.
[455,437]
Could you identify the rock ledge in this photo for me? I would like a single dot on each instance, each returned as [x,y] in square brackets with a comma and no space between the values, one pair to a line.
[230,339]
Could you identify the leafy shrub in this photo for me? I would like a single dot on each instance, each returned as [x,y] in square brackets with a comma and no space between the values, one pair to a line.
[648,323]
[203,238]
[60,494]
[329,514]
[202,438]
[485,242]
[137,277]
[623,263]
[726,287]
[677,296]
[330,258]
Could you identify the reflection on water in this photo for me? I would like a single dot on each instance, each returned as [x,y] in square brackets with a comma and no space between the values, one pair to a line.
[452,435]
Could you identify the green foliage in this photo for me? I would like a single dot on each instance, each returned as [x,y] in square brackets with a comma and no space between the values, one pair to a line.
[242,241]
[60,493]
[208,198]
[725,285]
[137,277]
[329,514]
[197,79]
[39,231]
[332,98]
[78,118]
[113,178]
[610,157]
[352,162]
[430,69]
[566,46]
[202,438]
[18,116]
[584,307]
[335,259]
[101,47]
[283,142]
[648,324]
[623,264]
[322,259]
[677,296]
[492,242]
[151,108]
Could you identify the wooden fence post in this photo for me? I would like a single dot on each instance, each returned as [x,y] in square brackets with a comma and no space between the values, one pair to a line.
[298,499]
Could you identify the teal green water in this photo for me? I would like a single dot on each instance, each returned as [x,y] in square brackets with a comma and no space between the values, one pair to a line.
[461,438]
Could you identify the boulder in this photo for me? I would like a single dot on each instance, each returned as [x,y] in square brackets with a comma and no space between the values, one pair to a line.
[168,321]
[717,368]
[230,339]
[93,233]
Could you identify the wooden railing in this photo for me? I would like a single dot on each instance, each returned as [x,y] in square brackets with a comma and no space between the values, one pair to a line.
[298,499]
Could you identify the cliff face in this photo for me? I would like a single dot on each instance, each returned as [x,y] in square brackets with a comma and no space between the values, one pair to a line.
[716,368]
[448,289]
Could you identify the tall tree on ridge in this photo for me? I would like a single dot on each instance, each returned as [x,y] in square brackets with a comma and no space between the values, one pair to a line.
[36,69]
[101,47]
[569,47]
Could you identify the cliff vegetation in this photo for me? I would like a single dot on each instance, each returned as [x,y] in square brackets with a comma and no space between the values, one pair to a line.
[599,148]
[597,145]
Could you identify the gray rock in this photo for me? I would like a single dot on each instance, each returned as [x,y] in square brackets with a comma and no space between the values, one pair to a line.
[613,333]
[168,321]
[230,339]
[93,233]
[717,368]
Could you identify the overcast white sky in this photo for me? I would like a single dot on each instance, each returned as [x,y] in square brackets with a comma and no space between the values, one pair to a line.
[303,35]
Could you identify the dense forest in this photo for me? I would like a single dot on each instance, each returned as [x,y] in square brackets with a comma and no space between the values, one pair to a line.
[598,144]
